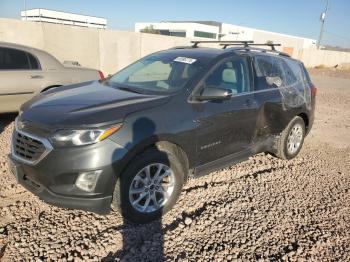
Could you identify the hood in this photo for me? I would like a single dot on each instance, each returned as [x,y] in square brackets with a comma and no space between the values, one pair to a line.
[86,104]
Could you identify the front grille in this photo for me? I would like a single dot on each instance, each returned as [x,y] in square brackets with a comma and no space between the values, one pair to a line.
[27,148]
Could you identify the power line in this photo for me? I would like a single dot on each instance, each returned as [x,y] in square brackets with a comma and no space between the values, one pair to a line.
[336,35]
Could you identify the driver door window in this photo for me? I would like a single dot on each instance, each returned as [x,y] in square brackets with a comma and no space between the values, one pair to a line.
[232,74]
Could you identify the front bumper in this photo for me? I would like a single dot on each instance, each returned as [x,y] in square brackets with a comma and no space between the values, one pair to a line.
[53,178]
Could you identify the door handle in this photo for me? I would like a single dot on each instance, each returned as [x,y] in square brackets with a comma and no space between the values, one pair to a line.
[36,76]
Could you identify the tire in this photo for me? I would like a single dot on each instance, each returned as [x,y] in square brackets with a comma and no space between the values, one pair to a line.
[134,178]
[284,148]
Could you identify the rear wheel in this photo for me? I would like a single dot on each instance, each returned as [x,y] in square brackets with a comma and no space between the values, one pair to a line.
[289,143]
[149,187]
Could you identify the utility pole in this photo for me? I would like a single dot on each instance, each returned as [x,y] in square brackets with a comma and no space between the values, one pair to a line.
[322,18]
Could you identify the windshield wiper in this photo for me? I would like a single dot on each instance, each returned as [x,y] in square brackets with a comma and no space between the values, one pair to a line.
[122,87]
[130,89]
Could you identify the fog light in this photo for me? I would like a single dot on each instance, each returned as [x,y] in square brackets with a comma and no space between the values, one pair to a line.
[87,180]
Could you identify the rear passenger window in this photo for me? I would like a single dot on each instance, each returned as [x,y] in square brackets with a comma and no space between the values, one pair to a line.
[34,64]
[13,59]
[267,66]
[293,72]
[232,74]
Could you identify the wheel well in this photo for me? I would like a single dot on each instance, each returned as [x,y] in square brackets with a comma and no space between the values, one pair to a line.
[49,87]
[178,151]
[159,145]
[306,119]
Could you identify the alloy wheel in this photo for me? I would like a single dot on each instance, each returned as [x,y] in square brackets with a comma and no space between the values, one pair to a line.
[151,188]
[295,139]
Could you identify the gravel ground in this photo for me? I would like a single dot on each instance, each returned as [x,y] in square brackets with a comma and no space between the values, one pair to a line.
[261,209]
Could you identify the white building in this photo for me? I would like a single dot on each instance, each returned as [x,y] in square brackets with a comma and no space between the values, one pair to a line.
[182,29]
[235,32]
[51,16]
[212,30]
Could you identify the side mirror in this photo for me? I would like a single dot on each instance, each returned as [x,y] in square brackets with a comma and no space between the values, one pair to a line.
[214,93]
[274,80]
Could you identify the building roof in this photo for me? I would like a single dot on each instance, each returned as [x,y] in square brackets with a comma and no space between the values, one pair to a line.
[219,24]
[212,23]
[42,14]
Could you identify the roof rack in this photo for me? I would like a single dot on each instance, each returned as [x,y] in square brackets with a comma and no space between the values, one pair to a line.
[260,50]
[247,45]
[250,47]
[252,44]
[245,42]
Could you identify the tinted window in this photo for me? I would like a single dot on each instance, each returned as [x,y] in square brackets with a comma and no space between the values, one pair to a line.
[13,59]
[267,66]
[293,72]
[34,64]
[232,74]
[204,34]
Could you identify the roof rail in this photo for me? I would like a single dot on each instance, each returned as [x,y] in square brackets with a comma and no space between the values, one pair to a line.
[245,42]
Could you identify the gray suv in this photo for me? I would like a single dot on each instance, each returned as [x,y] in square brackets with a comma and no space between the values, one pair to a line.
[26,71]
[132,140]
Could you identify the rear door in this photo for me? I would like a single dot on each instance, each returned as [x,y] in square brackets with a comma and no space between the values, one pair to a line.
[227,126]
[20,76]
[277,104]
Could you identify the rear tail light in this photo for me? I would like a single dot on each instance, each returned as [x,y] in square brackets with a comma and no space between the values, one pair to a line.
[102,77]
[313,90]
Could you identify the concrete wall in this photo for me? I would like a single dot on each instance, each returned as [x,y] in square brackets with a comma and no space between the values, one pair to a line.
[107,50]
[110,50]
[312,58]
[64,42]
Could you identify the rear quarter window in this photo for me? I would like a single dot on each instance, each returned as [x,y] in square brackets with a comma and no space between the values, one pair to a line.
[292,71]
[34,63]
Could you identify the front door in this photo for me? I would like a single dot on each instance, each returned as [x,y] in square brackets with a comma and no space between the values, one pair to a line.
[227,126]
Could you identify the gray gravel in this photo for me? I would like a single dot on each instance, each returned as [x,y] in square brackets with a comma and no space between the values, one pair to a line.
[261,209]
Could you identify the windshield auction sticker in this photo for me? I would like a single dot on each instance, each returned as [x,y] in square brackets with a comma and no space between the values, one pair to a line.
[185,60]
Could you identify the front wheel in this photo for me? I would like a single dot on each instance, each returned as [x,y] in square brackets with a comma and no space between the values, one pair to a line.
[149,187]
[290,141]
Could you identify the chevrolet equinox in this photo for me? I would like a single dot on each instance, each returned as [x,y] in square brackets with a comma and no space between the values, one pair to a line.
[131,141]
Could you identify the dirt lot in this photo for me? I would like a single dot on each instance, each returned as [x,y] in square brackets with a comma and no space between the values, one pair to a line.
[333,72]
[262,209]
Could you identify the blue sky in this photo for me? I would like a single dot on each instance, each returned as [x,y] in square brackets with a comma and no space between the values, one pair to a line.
[296,17]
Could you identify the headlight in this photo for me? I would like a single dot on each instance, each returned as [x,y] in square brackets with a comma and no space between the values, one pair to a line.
[66,137]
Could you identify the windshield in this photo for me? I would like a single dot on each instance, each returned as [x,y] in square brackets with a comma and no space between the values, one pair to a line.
[161,72]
